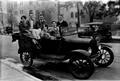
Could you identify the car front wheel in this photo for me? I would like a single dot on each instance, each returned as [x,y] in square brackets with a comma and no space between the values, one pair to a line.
[81,67]
[26,59]
[105,58]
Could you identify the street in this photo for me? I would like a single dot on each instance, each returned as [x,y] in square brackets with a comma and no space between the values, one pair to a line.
[52,71]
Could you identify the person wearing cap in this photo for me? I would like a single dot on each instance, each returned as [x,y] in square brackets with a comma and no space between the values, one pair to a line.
[62,24]
[41,24]
[111,9]
[31,23]
[30,20]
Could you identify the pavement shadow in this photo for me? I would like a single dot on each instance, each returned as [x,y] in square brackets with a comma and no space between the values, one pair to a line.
[48,70]
[115,41]
[35,72]
[112,41]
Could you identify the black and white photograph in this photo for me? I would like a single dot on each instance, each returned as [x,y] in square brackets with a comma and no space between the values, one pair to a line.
[59,40]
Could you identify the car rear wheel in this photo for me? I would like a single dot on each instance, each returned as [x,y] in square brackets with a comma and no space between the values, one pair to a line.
[81,67]
[105,58]
[26,59]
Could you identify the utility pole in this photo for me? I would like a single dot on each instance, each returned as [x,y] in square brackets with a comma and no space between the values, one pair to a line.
[2,17]
[58,4]
[78,18]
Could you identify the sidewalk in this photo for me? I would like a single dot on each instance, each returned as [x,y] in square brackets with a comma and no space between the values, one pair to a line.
[116,37]
[11,72]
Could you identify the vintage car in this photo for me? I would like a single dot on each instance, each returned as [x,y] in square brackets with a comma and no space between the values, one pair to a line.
[9,30]
[79,53]
[100,29]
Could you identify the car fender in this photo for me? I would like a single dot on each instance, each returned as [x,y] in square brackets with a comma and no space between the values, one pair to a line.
[15,37]
[79,52]
[105,45]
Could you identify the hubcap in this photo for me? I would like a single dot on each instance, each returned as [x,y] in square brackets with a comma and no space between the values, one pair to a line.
[105,56]
[26,58]
[80,67]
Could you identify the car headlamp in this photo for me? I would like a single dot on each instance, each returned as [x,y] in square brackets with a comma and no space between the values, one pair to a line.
[90,50]
[99,47]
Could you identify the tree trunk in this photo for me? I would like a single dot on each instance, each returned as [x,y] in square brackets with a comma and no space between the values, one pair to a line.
[91,18]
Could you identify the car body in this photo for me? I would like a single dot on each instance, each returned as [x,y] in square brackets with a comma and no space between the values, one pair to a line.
[100,29]
[77,52]
[9,30]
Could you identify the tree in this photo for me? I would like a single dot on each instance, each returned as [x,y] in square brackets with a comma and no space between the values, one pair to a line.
[91,9]
[48,10]
[11,18]
[48,13]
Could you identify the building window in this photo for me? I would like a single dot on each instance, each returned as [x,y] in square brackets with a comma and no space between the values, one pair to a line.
[72,15]
[30,3]
[21,3]
[21,11]
[76,14]
[16,13]
[15,4]
[0,4]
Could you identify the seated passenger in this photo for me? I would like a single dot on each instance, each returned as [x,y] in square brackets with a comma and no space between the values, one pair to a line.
[23,27]
[40,27]
[118,19]
[54,30]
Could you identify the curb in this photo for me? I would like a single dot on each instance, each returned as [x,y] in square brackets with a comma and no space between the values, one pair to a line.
[13,66]
[115,37]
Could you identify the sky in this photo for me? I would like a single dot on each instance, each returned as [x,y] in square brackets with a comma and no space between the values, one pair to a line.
[105,1]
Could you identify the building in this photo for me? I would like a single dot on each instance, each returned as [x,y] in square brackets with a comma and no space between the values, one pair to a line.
[70,12]
[3,13]
[12,14]
[47,8]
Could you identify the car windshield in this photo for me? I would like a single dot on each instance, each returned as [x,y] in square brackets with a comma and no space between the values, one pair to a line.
[69,31]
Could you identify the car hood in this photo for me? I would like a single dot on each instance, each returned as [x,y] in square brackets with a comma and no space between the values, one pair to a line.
[78,40]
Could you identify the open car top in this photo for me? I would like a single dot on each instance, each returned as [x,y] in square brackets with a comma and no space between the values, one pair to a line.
[94,23]
[77,40]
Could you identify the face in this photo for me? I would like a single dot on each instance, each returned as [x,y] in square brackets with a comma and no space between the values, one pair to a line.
[60,18]
[23,19]
[112,6]
[53,24]
[41,18]
[31,16]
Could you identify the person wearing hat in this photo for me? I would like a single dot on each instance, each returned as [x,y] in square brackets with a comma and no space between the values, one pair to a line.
[41,26]
[31,23]
[62,24]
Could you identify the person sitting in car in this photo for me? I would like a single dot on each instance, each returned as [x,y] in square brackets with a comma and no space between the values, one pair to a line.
[62,24]
[118,19]
[22,25]
[24,30]
[54,30]
[31,23]
[41,26]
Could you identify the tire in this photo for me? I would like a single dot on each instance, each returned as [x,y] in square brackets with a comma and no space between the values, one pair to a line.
[81,67]
[99,60]
[26,59]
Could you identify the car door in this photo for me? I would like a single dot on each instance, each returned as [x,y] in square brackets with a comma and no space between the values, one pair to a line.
[50,46]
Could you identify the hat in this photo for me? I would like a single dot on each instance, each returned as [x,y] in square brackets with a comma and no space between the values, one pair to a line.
[30,11]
